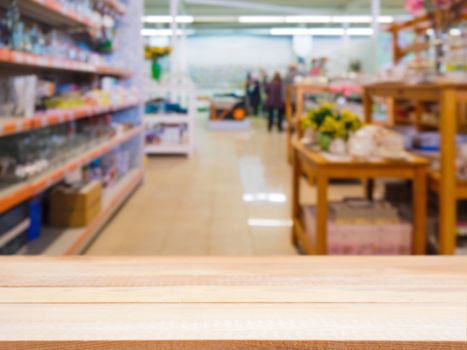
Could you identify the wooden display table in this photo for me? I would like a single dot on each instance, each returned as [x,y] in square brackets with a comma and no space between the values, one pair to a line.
[452,98]
[320,170]
[233,303]
[419,26]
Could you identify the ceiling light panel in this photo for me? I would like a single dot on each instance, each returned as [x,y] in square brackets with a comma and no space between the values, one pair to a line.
[322,31]
[308,19]
[168,19]
[261,19]
[164,32]
[360,31]
[308,31]
[216,19]
[351,19]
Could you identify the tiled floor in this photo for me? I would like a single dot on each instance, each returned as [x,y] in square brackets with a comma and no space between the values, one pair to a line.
[231,198]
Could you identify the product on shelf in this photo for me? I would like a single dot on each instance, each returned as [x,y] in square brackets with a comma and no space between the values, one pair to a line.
[14,225]
[454,61]
[23,156]
[355,211]
[375,142]
[76,206]
[75,98]
[430,47]
[166,134]
[61,129]
[160,106]
[17,96]
[429,144]
[19,34]
[110,168]
[170,111]
[362,228]
[29,96]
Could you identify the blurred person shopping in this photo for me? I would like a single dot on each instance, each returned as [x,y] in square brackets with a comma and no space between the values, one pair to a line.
[275,102]
[254,95]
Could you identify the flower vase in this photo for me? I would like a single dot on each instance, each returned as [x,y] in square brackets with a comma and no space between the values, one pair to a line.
[310,136]
[324,141]
[338,147]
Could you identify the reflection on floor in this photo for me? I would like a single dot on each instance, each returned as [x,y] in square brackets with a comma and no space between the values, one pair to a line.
[231,198]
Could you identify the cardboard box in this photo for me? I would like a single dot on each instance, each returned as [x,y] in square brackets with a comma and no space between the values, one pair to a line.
[75,207]
[75,198]
[74,218]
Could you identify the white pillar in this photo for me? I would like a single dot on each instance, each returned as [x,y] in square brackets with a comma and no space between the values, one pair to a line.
[182,52]
[174,61]
[346,44]
[375,12]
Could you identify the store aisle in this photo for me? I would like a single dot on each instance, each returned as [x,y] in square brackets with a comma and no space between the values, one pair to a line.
[231,198]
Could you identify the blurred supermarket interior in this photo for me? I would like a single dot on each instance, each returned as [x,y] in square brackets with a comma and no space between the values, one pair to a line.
[233,127]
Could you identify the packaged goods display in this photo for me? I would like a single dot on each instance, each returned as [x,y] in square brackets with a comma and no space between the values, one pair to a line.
[14,225]
[18,96]
[75,206]
[170,111]
[374,142]
[110,168]
[166,134]
[159,128]
[69,117]
[23,156]
[30,96]
[162,106]
[363,228]
[79,202]
[18,32]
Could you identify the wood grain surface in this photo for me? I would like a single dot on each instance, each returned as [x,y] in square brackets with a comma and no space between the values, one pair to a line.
[233,303]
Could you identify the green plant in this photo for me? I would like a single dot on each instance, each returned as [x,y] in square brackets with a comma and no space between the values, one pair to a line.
[328,120]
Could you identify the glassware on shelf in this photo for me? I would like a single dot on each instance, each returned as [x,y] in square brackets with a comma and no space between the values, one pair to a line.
[25,155]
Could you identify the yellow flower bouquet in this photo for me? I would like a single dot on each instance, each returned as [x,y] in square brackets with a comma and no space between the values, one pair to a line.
[331,123]
[151,53]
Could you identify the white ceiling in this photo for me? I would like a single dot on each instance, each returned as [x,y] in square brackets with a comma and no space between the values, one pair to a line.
[273,7]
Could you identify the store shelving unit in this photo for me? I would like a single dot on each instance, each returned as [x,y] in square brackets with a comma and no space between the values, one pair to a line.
[167,118]
[450,96]
[419,26]
[183,93]
[60,242]
[16,194]
[10,126]
[14,232]
[452,99]
[420,44]
[167,149]
[115,5]
[55,14]
[24,59]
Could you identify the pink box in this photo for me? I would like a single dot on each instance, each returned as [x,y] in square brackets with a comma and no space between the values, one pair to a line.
[362,239]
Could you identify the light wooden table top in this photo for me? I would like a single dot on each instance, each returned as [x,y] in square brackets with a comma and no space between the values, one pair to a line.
[234,303]
[422,86]
[318,158]
[416,92]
